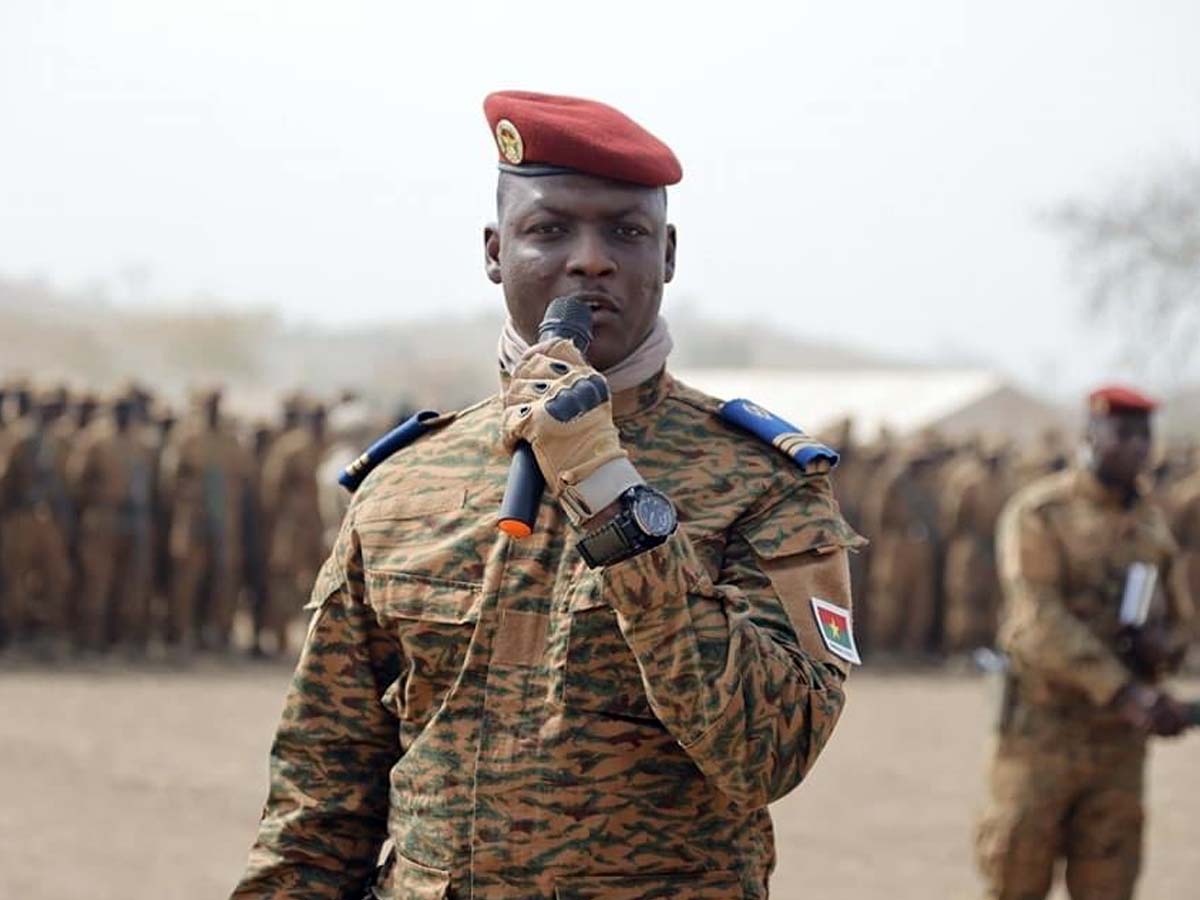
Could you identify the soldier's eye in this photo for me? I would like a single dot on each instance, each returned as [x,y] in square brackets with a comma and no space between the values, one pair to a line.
[547,228]
[631,231]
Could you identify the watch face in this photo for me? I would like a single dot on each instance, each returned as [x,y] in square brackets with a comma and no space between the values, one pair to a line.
[654,514]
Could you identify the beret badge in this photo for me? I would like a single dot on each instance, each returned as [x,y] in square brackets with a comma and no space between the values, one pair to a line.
[508,139]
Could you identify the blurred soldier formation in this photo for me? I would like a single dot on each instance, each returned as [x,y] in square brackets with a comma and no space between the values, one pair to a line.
[927,587]
[123,530]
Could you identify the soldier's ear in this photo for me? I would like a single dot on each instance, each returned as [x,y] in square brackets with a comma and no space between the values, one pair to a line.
[669,267]
[491,252]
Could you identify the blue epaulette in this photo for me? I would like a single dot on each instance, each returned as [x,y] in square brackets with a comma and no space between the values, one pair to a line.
[811,455]
[400,436]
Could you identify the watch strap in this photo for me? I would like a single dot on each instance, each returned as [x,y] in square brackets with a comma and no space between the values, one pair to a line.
[607,544]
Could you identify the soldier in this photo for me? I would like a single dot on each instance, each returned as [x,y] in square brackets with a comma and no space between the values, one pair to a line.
[1184,509]
[111,474]
[36,524]
[84,413]
[1077,550]
[903,518]
[254,533]
[605,707]
[291,507]
[160,426]
[204,473]
[975,493]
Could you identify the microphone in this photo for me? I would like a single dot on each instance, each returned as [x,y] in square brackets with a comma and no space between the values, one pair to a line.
[566,317]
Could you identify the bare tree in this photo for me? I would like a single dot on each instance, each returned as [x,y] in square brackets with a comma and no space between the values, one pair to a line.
[1136,253]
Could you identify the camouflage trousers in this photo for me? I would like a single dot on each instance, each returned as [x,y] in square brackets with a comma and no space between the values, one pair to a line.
[37,571]
[1065,799]
[115,581]
[202,598]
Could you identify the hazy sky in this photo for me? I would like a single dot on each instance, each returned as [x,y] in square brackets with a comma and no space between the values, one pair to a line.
[866,172]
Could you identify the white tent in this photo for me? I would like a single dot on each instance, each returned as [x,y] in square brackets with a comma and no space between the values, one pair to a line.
[959,402]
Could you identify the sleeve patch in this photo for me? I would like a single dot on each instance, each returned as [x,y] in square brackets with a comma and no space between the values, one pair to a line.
[811,455]
[837,631]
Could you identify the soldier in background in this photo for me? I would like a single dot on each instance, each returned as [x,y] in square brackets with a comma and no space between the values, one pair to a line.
[160,426]
[204,473]
[903,520]
[976,491]
[1082,693]
[254,533]
[84,410]
[1184,512]
[111,475]
[35,526]
[1052,453]
[292,510]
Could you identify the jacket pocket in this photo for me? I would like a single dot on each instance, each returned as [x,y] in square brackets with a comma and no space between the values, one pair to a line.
[602,674]
[668,886]
[433,622]
[432,533]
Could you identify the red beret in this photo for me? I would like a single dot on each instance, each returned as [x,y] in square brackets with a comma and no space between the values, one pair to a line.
[1114,398]
[541,134]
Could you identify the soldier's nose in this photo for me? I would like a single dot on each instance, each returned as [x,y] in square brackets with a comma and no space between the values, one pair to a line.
[590,258]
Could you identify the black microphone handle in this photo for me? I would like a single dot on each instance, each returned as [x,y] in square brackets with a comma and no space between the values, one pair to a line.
[522,493]
[566,317]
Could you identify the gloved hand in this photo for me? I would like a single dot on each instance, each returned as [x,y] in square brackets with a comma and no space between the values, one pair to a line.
[561,406]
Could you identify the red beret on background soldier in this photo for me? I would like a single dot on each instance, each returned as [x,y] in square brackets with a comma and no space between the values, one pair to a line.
[1096,613]
[606,707]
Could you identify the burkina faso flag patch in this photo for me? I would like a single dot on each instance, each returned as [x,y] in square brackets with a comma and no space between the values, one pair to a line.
[837,630]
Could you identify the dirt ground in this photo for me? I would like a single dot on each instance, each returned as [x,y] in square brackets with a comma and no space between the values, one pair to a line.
[147,783]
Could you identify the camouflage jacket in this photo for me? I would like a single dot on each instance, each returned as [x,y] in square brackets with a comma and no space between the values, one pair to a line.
[1064,547]
[110,470]
[521,726]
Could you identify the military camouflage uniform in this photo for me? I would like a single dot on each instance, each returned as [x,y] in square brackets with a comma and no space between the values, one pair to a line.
[1066,778]
[902,518]
[292,511]
[975,494]
[34,532]
[1185,522]
[204,472]
[111,474]
[524,727]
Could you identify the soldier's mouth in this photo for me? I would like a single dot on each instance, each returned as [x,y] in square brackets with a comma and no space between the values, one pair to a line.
[598,301]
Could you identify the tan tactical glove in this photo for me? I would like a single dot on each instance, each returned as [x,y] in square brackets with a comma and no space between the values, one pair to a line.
[561,406]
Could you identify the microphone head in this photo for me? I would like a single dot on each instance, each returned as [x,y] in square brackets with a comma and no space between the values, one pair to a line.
[568,317]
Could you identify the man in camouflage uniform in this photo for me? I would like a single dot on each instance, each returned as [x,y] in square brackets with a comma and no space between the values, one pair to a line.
[204,473]
[254,532]
[903,517]
[1066,779]
[976,490]
[1184,509]
[35,527]
[524,725]
[111,474]
[292,513]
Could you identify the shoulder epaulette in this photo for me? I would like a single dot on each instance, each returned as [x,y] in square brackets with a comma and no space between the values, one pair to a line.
[399,437]
[813,457]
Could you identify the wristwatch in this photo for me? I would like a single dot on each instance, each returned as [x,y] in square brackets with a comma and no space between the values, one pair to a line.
[646,519]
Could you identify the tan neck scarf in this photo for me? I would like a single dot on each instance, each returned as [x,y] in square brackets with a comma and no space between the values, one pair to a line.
[648,359]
